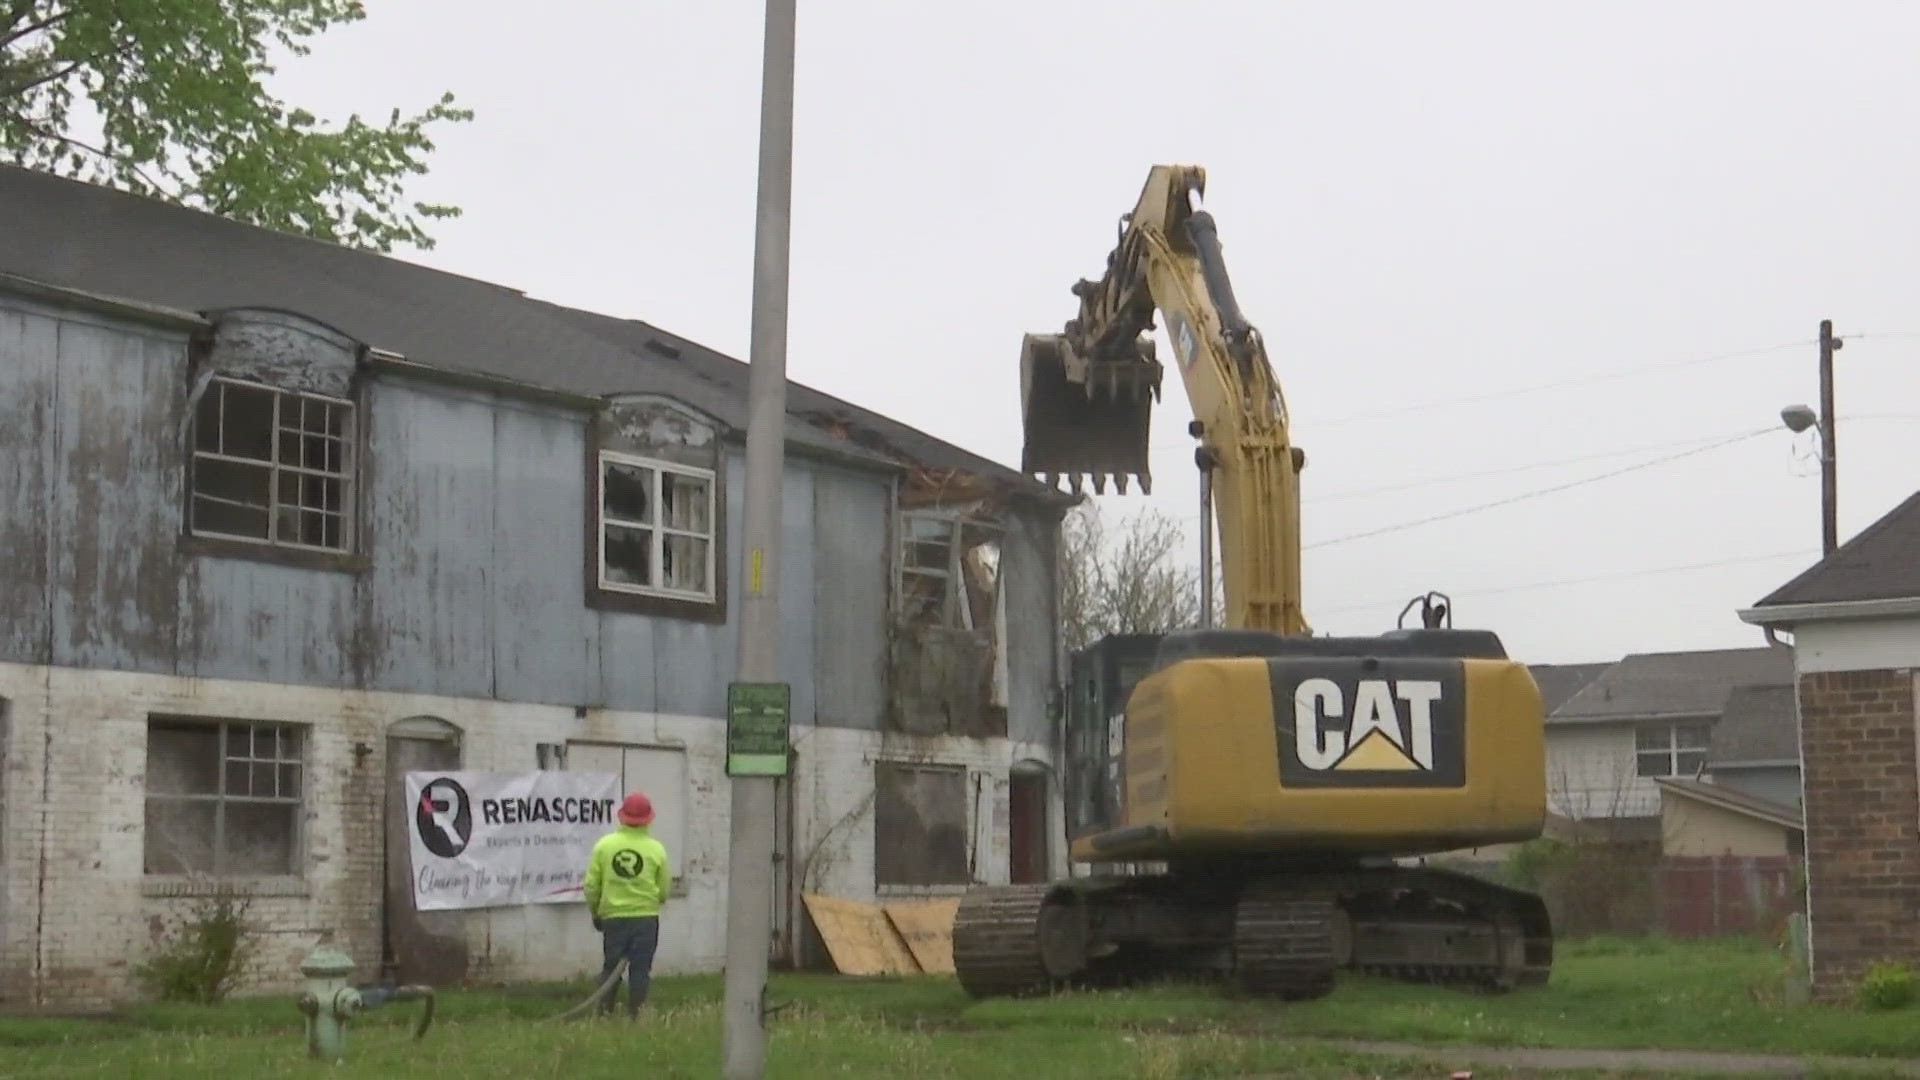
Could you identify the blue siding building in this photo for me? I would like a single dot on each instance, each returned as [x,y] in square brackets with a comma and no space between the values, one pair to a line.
[283,520]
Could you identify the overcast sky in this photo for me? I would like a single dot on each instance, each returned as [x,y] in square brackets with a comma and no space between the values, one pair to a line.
[1430,210]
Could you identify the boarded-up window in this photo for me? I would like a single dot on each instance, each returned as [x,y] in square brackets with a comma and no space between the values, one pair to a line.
[224,797]
[660,772]
[920,825]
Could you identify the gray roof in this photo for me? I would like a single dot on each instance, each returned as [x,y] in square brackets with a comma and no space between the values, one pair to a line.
[1756,725]
[1882,563]
[1739,802]
[1674,684]
[1560,682]
[81,236]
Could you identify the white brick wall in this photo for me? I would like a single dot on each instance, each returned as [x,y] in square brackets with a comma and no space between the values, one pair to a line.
[77,913]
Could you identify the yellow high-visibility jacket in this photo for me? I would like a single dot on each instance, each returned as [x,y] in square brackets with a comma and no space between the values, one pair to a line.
[627,874]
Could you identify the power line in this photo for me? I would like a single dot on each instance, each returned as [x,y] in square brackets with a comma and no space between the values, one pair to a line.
[1622,575]
[1601,455]
[1539,492]
[1583,380]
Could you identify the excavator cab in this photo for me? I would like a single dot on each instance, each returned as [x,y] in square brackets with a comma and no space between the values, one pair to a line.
[1087,417]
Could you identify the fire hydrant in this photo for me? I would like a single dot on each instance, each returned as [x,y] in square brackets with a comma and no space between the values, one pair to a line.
[329,1002]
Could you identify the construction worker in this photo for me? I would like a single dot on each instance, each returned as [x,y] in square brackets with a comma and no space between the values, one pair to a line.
[627,880]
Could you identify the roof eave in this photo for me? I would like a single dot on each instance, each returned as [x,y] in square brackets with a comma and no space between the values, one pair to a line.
[1834,611]
[102,303]
[1632,717]
[1730,805]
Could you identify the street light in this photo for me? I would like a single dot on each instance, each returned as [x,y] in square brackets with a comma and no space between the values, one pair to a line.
[1798,418]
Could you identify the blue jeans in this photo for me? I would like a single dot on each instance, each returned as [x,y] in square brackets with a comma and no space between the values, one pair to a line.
[633,939]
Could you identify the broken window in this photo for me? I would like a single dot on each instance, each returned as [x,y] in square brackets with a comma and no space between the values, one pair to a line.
[223,798]
[1672,749]
[272,466]
[920,825]
[656,527]
[949,572]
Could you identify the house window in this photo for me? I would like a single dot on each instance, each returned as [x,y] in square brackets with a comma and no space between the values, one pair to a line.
[949,572]
[920,825]
[223,798]
[656,528]
[1678,749]
[272,467]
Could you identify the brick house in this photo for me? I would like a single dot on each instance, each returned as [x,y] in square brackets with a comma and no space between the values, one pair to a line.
[1853,620]
[283,521]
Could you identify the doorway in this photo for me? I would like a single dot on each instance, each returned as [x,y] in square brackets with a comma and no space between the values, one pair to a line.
[416,946]
[1028,854]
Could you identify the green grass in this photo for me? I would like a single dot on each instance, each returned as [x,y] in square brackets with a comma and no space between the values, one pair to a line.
[1611,993]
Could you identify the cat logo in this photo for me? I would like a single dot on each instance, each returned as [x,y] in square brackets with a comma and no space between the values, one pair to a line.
[1375,738]
[1373,731]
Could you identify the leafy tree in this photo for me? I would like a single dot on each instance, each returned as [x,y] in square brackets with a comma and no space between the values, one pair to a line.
[174,88]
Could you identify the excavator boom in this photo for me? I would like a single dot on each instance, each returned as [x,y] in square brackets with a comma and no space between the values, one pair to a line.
[1087,393]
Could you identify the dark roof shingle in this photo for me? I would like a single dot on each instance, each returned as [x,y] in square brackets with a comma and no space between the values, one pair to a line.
[86,237]
[1646,685]
[1882,563]
[1756,725]
[1560,682]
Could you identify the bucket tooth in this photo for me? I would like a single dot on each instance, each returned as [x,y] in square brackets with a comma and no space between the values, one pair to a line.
[1120,483]
[1099,483]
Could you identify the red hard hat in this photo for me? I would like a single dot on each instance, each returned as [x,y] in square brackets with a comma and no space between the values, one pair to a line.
[637,810]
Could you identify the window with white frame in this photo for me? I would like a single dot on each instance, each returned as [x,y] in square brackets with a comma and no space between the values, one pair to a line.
[656,527]
[1672,749]
[949,571]
[272,467]
[224,798]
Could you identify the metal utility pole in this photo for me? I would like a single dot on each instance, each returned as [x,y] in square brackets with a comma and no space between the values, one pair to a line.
[750,846]
[1829,472]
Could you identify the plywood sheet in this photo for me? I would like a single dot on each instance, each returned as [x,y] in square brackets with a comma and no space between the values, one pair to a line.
[859,937]
[927,928]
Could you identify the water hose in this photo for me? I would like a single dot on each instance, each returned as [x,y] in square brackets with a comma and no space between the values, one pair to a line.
[606,986]
[372,997]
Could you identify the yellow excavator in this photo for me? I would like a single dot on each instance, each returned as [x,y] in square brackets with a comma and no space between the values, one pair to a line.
[1244,799]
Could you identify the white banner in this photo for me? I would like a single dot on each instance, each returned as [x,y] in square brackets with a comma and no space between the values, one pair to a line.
[504,839]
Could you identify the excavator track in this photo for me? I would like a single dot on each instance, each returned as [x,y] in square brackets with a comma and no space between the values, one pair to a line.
[1283,945]
[1281,935]
[997,950]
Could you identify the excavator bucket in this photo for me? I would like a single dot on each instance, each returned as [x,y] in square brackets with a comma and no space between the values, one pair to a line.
[1087,418]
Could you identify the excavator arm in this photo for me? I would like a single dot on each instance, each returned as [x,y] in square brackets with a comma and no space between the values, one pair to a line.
[1088,392]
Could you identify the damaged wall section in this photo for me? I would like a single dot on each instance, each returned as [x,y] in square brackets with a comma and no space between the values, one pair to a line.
[947,648]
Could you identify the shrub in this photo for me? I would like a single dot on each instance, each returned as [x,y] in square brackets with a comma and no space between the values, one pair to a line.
[1886,986]
[201,959]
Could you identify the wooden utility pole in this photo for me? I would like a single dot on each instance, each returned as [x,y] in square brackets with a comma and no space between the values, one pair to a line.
[1829,473]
